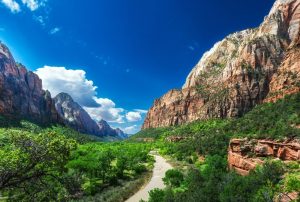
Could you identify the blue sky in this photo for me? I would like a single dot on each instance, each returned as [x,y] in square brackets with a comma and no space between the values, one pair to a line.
[116,56]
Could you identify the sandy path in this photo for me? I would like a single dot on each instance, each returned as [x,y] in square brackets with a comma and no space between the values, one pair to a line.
[160,168]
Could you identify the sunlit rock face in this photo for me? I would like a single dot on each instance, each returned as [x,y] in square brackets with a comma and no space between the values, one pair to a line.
[77,118]
[245,69]
[244,155]
[21,93]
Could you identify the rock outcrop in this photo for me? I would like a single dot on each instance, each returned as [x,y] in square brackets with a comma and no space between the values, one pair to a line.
[77,118]
[245,69]
[244,155]
[21,93]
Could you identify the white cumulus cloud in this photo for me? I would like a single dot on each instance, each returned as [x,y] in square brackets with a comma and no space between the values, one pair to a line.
[82,90]
[133,116]
[12,5]
[73,82]
[107,111]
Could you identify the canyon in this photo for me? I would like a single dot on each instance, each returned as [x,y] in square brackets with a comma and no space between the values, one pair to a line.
[22,97]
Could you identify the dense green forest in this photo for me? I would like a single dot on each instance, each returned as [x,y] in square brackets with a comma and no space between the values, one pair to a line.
[55,163]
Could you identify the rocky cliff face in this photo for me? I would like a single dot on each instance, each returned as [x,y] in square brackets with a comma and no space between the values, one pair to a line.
[77,118]
[21,94]
[244,155]
[239,72]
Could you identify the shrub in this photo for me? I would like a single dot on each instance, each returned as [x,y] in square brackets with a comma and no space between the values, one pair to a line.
[156,195]
[292,182]
[173,178]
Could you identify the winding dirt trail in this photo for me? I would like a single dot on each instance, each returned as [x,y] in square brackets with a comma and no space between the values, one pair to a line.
[160,168]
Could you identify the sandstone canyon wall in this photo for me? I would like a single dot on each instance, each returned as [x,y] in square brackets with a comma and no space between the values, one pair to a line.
[21,93]
[245,69]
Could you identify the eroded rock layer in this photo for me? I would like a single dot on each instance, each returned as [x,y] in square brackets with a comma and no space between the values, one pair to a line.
[244,155]
[245,69]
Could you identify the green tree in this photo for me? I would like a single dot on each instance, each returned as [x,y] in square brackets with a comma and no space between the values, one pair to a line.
[105,158]
[31,166]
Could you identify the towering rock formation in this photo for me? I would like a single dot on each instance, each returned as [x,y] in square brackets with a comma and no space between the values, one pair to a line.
[21,93]
[245,69]
[74,115]
[77,118]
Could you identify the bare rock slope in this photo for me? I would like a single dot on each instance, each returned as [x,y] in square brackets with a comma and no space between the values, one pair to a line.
[244,155]
[245,69]
[77,118]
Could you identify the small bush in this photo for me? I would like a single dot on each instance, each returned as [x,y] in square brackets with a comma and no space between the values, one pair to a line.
[173,178]
[156,195]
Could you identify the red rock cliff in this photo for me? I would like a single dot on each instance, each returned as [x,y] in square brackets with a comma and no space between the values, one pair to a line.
[245,69]
[244,155]
[21,93]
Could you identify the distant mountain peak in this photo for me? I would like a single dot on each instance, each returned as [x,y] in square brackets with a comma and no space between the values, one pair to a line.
[64,96]
[103,125]
[76,117]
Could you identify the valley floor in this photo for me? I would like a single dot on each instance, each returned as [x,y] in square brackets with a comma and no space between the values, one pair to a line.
[161,166]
